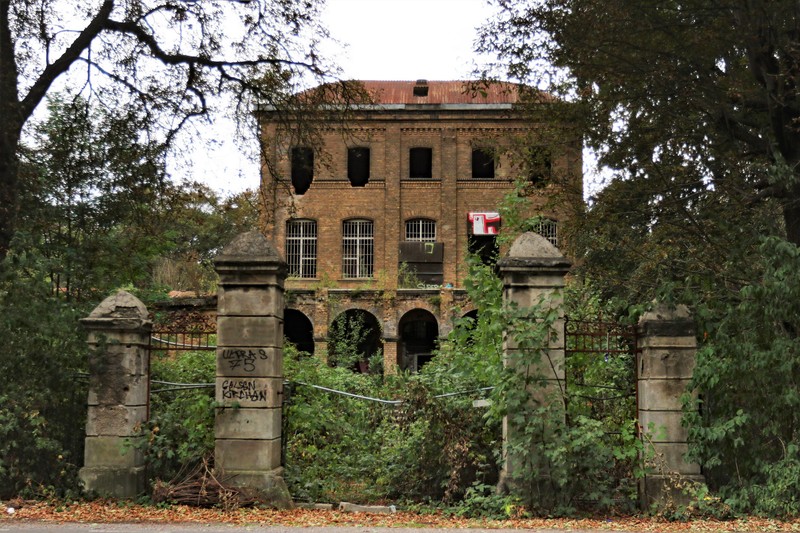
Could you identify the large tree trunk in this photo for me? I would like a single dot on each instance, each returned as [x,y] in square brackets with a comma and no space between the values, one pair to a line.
[10,127]
[9,184]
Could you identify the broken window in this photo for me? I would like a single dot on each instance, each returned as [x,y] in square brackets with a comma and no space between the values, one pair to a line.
[357,248]
[482,164]
[420,163]
[485,247]
[301,248]
[358,166]
[421,230]
[302,168]
[539,165]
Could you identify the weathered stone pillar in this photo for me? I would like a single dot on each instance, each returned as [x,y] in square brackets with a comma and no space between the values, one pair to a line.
[249,384]
[533,273]
[666,358]
[119,372]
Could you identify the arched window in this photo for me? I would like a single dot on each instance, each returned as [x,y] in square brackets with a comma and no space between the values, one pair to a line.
[302,168]
[301,248]
[421,230]
[357,248]
[548,229]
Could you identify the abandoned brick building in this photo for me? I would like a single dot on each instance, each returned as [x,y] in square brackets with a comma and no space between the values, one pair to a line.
[377,222]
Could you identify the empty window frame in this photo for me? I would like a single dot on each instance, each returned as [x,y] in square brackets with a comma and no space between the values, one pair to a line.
[357,248]
[301,248]
[548,229]
[540,165]
[302,168]
[421,230]
[482,163]
[420,163]
[358,166]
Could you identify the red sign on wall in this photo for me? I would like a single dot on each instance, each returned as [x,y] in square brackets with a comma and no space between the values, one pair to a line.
[485,223]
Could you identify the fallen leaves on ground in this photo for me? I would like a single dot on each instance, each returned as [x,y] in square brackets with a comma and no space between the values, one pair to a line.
[111,511]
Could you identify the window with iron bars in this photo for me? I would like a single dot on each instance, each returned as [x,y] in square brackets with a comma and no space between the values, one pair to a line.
[548,229]
[301,248]
[421,230]
[357,248]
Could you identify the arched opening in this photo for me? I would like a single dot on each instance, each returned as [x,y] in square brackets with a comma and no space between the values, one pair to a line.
[419,333]
[298,330]
[354,341]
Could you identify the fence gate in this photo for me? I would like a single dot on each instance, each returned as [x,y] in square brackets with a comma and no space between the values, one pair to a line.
[601,371]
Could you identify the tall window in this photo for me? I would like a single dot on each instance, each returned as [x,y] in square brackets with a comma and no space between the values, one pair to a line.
[420,163]
[357,248]
[301,248]
[548,229]
[540,165]
[482,164]
[358,166]
[302,168]
[421,230]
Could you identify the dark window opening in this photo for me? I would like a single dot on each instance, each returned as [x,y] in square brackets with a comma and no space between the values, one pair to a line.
[482,164]
[420,163]
[302,168]
[421,88]
[485,247]
[298,330]
[358,166]
[419,335]
[540,166]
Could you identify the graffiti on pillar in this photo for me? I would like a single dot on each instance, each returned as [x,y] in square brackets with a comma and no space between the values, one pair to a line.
[244,358]
[244,389]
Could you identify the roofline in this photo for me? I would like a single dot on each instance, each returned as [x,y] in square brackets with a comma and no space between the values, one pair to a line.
[405,107]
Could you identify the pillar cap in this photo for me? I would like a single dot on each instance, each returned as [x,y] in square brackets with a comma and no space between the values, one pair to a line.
[122,310]
[531,250]
[251,252]
[667,320]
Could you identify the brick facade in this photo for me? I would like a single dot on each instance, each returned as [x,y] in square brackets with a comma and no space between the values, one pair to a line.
[452,123]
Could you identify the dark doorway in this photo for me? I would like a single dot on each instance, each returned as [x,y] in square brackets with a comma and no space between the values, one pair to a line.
[298,330]
[419,333]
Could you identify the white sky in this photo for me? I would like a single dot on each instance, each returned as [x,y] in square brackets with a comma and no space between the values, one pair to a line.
[385,40]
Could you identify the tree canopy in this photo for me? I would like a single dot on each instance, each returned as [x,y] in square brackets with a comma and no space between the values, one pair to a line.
[694,107]
[168,58]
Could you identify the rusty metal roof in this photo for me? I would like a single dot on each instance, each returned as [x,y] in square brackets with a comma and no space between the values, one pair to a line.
[441,92]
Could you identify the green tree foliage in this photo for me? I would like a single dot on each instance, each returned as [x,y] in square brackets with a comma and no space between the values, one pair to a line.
[42,397]
[693,108]
[91,197]
[128,53]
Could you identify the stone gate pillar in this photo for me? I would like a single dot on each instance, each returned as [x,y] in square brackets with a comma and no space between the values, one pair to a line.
[533,272]
[666,358]
[249,383]
[119,373]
